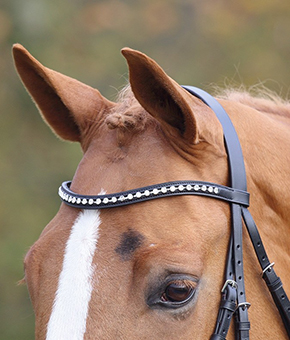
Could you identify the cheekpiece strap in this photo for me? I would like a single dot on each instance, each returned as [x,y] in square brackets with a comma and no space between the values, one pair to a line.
[151,192]
[238,181]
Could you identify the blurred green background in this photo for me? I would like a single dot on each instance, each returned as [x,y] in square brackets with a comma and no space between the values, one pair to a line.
[197,42]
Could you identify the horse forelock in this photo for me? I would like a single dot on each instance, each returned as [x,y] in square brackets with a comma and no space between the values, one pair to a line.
[128,114]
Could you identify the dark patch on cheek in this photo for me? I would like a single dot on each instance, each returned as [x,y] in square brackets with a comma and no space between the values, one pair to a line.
[130,241]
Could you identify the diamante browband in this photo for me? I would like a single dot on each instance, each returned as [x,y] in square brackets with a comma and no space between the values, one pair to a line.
[151,192]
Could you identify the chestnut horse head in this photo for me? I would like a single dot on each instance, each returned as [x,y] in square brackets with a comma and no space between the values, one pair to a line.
[154,270]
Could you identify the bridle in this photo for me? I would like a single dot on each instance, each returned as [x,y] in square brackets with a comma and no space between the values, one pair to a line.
[233,297]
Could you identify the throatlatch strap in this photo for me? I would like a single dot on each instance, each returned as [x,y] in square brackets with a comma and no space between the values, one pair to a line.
[273,282]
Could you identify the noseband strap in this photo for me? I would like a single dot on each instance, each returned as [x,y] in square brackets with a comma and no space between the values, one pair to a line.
[233,298]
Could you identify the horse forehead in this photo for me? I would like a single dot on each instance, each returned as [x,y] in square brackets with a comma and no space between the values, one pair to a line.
[143,158]
[170,222]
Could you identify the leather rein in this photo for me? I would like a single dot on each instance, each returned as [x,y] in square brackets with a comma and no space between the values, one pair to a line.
[233,296]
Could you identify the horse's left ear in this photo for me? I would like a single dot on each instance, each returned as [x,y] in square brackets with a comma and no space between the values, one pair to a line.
[162,97]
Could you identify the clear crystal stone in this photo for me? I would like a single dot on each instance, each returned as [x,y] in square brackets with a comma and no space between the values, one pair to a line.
[138,194]
[147,193]
[155,191]
[196,187]
[188,187]
[105,200]
[210,189]
[172,188]
[84,201]
[164,190]
[180,187]
[114,199]
[130,196]
[91,201]
[203,188]
[98,201]
[78,200]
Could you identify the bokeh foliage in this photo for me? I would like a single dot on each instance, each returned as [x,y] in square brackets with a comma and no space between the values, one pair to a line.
[198,42]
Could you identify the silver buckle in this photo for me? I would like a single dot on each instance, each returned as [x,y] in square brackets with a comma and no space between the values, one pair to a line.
[231,283]
[268,267]
[244,305]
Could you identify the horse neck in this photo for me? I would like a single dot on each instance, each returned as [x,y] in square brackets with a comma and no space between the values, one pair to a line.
[266,143]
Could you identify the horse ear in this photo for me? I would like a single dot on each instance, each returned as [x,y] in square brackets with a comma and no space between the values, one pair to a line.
[66,104]
[160,95]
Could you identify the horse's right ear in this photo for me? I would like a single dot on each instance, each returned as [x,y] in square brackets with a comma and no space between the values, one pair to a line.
[66,104]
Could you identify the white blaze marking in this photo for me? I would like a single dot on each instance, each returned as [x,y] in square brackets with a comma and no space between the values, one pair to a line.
[70,308]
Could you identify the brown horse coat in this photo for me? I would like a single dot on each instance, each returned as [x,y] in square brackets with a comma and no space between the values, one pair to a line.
[126,259]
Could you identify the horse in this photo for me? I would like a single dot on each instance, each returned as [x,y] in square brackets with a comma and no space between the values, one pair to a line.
[154,270]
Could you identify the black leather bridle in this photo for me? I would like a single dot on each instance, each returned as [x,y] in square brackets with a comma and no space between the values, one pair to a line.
[233,299]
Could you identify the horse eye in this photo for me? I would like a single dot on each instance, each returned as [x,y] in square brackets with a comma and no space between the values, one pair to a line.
[177,291]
